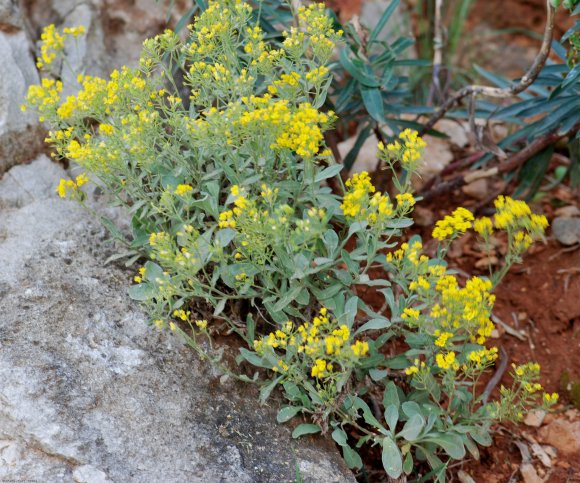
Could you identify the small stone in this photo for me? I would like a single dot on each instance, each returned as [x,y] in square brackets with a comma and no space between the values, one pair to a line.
[563,435]
[89,474]
[535,418]
[477,189]
[569,211]
[529,473]
[486,262]
[367,158]
[566,230]
[436,157]
[457,131]
[572,414]
[549,418]
[538,452]
[550,451]
[423,216]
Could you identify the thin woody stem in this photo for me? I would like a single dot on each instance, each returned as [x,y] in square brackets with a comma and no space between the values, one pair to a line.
[527,79]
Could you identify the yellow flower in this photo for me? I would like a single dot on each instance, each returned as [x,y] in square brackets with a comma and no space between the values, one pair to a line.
[75,31]
[183,189]
[410,314]
[319,368]
[405,201]
[442,338]
[81,179]
[483,226]
[358,203]
[551,399]
[458,222]
[181,314]
[411,370]
[68,185]
[202,324]
[414,369]
[360,348]
[446,361]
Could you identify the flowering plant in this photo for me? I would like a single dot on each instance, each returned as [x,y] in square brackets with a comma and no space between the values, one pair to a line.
[224,171]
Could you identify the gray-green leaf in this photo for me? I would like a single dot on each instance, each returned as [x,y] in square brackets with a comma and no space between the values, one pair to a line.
[303,429]
[391,458]
[287,413]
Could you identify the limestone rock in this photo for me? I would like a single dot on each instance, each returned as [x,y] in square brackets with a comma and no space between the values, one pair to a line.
[21,137]
[535,418]
[115,29]
[367,159]
[563,435]
[566,230]
[529,473]
[90,393]
[477,189]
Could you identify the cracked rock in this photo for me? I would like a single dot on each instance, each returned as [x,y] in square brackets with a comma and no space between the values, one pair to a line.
[90,393]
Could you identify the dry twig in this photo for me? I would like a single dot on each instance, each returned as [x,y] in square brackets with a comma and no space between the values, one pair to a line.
[509,165]
[527,79]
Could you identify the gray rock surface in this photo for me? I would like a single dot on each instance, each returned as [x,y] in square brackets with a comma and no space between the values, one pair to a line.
[21,137]
[115,29]
[89,393]
[566,230]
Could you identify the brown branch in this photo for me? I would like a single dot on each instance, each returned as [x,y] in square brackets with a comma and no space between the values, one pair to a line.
[497,376]
[509,165]
[527,79]
[452,167]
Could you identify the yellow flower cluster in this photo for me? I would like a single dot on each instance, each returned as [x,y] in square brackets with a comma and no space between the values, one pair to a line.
[516,217]
[71,187]
[44,97]
[183,189]
[447,361]
[528,370]
[361,202]
[405,201]
[286,81]
[321,344]
[410,315]
[302,133]
[551,399]
[181,314]
[411,253]
[467,309]
[316,76]
[527,375]
[415,368]
[139,278]
[315,34]
[75,31]
[483,226]
[483,357]
[299,129]
[52,43]
[452,225]
[442,338]
[409,152]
